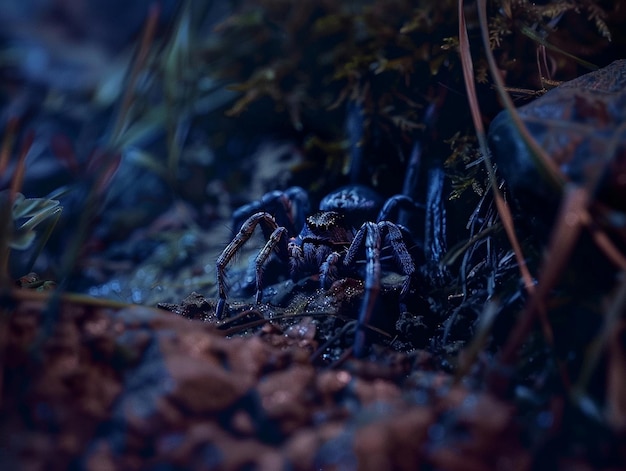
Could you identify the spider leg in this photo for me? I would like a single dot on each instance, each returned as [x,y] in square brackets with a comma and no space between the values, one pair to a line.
[243,213]
[368,234]
[300,197]
[401,253]
[261,258]
[244,234]
[435,231]
[281,205]
[396,204]
[328,270]
[295,255]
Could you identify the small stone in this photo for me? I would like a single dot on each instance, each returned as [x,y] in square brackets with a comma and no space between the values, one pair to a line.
[287,395]
[201,387]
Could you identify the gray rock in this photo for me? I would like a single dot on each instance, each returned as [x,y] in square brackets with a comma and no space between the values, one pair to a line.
[582,127]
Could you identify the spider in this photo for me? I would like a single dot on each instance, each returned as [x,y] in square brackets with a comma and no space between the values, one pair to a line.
[328,244]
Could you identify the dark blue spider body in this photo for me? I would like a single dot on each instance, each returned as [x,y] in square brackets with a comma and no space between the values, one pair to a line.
[329,243]
[356,202]
[324,229]
[323,234]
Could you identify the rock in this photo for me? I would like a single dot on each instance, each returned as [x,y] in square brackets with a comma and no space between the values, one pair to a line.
[200,387]
[287,396]
[580,125]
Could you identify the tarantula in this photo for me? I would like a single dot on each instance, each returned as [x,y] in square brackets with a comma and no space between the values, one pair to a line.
[328,241]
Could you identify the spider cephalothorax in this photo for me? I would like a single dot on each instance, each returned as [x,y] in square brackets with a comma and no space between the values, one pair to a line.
[328,243]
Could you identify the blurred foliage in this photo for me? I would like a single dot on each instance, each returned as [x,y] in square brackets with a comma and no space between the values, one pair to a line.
[30,213]
[575,31]
[544,17]
[314,55]
[25,215]
[393,58]
[312,59]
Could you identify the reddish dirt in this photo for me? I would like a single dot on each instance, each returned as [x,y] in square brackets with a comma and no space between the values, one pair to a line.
[140,388]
